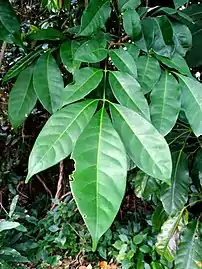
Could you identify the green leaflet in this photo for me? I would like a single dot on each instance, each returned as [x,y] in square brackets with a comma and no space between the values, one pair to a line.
[91,52]
[59,135]
[190,248]
[131,23]
[48,83]
[158,217]
[144,185]
[8,225]
[94,17]
[22,98]
[128,92]
[175,196]
[22,64]
[67,52]
[192,102]
[100,177]
[46,34]
[151,153]
[123,61]
[86,80]
[166,239]
[149,71]
[165,103]
[128,4]
[146,39]
[177,62]
[133,50]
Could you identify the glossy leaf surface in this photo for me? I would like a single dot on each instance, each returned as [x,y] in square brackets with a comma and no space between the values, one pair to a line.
[100,177]
[123,61]
[165,103]
[131,23]
[175,196]
[128,92]
[166,245]
[59,135]
[190,248]
[86,80]
[48,83]
[192,102]
[151,152]
[128,4]
[22,98]
[91,52]
[94,17]
[8,17]
[149,72]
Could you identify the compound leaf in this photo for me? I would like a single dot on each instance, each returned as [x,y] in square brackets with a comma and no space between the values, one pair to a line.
[145,146]
[100,177]
[59,135]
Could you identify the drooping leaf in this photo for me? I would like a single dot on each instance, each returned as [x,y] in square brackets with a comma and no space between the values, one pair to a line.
[59,135]
[46,34]
[22,98]
[8,225]
[94,17]
[133,50]
[194,58]
[190,248]
[86,80]
[179,3]
[131,23]
[123,61]
[192,102]
[67,52]
[48,83]
[100,177]
[144,185]
[8,17]
[158,217]
[182,38]
[177,62]
[175,196]
[149,71]
[166,239]
[128,92]
[128,4]
[91,52]
[22,64]
[165,103]
[144,145]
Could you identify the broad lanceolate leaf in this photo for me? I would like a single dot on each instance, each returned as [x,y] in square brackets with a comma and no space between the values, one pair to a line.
[144,185]
[149,71]
[192,102]
[123,61]
[131,23]
[67,52]
[165,103]
[8,17]
[179,3]
[128,92]
[190,248]
[166,239]
[8,225]
[48,82]
[100,177]
[22,98]
[145,146]
[22,64]
[91,52]
[59,135]
[177,62]
[94,17]
[86,80]
[175,196]
[128,4]
[182,38]
[46,34]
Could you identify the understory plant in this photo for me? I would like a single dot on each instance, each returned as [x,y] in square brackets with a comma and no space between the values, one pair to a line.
[119,91]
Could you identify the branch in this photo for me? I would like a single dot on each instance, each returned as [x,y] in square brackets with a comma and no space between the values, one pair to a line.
[44,185]
[2,52]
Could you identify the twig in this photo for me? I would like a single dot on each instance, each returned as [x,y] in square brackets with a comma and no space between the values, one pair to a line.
[2,52]
[22,194]
[44,185]
[59,186]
